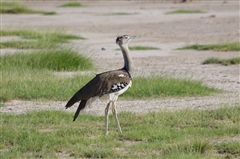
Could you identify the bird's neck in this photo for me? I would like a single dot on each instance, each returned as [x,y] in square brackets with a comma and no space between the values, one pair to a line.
[128,65]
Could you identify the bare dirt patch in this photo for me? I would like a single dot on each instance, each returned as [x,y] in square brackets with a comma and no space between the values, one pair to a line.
[220,23]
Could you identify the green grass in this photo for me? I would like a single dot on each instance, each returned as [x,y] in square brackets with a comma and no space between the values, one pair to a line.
[225,62]
[120,13]
[179,134]
[55,36]
[62,60]
[29,75]
[234,46]
[138,48]
[17,8]
[49,13]
[36,39]
[23,44]
[143,48]
[27,83]
[160,87]
[72,4]
[39,85]
[232,148]
[183,11]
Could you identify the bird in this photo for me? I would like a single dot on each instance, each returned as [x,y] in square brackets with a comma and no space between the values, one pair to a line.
[107,85]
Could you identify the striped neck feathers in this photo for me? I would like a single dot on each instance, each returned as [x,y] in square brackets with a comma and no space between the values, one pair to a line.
[128,65]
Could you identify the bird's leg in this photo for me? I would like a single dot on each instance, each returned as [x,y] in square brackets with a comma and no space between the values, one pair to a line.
[106,118]
[114,111]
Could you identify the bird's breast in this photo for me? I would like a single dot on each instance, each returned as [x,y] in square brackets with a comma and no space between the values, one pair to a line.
[116,90]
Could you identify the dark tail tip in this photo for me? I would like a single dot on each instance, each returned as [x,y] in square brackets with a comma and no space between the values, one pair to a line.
[67,106]
[80,107]
[71,102]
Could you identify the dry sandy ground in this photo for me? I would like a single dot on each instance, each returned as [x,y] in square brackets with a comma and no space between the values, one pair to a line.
[220,23]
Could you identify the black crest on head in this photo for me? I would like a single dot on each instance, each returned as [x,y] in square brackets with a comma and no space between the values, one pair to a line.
[119,38]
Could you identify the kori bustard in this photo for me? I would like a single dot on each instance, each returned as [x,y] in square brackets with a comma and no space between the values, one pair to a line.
[109,84]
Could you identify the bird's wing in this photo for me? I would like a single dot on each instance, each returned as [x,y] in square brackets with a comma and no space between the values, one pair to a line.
[101,84]
[112,81]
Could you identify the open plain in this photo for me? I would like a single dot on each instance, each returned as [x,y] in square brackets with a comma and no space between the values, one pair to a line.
[98,22]
[184,125]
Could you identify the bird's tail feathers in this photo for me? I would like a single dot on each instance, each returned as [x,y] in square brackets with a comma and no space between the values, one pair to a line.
[80,107]
[71,102]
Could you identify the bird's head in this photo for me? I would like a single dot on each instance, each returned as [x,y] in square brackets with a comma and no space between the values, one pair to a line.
[125,39]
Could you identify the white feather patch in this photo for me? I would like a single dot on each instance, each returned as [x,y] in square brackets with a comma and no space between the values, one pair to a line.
[121,75]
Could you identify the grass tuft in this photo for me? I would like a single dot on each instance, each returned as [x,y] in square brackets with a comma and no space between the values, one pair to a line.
[39,85]
[38,35]
[138,48]
[29,75]
[63,60]
[120,13]
[183,11]
[160,87]
[36,40]
[17,8]
[225,62]
[187,147]
[234,46]
[49,13]
[142,48]
[231,147]
[164,134]
[23,44]
[72,4]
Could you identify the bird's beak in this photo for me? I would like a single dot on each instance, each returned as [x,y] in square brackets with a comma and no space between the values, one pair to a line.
[135,37]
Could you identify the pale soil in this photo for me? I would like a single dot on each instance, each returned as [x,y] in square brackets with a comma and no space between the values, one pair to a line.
[157,29]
